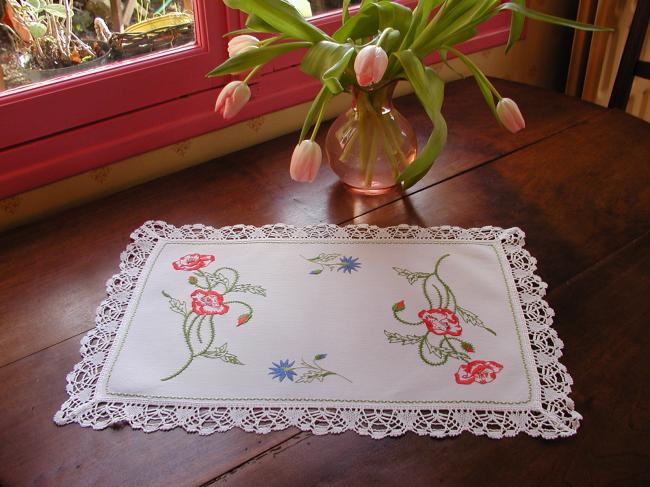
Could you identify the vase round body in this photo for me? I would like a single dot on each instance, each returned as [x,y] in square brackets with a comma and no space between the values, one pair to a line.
[372,143]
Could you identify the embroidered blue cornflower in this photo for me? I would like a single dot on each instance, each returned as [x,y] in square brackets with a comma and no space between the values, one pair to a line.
[349,264]
[282,370]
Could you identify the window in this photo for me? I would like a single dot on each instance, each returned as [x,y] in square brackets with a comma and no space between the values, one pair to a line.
[66,125]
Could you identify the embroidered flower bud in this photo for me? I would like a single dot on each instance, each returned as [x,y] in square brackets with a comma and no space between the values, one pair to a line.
[243,319]
[232,99]
[468,347]
[305,161]
[399,306]
[370,65]
[510,116]
[192,280]
[242,43]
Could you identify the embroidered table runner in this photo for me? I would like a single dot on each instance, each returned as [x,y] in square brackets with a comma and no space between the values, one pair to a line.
[377,330]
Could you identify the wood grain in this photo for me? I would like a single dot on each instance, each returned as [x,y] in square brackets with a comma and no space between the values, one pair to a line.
[576,181]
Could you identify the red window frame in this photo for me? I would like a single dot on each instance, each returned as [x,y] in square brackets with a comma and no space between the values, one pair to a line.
[139,105]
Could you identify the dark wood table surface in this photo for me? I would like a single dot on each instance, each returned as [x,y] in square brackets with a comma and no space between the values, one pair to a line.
[577,181]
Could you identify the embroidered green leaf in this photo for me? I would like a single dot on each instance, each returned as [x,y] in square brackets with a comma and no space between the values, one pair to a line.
[218,278]
[325,258]
[312,375]
[222,353]
[176,305]
[320,356]
[316,271]
[403,339]
[411,277]
[472,319]
[249,288]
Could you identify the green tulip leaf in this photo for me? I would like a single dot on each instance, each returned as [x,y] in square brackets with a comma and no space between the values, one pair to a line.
[372,18]
[255,57]
[281,16]
[516,7]
[327,62]
[323,97]
[430,90]
[516,25]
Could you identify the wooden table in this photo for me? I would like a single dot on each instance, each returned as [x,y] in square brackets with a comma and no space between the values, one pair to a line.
[576,180]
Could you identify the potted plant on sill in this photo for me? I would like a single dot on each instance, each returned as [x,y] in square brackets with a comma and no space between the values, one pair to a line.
[371,147]
[45,41]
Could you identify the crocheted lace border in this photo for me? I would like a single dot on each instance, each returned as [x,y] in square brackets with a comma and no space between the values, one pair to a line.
[556,418]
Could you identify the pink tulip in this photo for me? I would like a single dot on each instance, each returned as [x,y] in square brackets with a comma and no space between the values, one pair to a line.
[232,99]
[510,116]
[370,65]
[305,161]
[242,43]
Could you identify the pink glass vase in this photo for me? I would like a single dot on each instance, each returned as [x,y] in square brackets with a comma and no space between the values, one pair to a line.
[372,143]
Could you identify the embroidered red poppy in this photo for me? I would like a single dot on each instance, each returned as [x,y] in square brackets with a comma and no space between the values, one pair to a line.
[441,321]
[481,371]
[208,303]
[192,262]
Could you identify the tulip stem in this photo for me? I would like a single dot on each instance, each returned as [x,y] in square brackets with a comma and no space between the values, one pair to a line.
[318,122]
[252,73]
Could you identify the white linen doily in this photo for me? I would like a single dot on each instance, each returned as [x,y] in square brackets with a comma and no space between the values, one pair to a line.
[378,330]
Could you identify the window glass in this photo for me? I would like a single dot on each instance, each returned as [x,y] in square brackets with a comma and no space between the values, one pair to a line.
[45,39]
[321,6]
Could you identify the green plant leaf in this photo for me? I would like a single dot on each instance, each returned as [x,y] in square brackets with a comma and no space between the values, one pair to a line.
[36,29]
[332,77]
[323,97]
[516,25]
[551,19]
[254,23]
[280,15]
[429,89]
[255,57]
[36,4]
[56,9]
[345,11]
[327,61]
[373,17]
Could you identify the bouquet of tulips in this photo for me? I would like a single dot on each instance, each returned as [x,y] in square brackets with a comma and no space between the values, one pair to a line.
[383,41]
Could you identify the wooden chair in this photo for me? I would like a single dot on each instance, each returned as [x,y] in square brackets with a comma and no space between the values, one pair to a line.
[631,65]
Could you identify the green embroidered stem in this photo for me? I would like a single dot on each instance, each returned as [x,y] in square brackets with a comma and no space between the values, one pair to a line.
[187,364]
[426,293]
[444,285]
[207,347]
[198,329]
[187,332]
[424,341]
[250,308]
[404,321]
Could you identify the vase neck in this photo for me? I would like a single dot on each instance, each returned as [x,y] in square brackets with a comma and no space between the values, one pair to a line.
[377,98]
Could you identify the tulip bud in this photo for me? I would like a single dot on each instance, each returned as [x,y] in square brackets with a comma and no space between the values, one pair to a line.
[510,116]
[232,99]
[305,161]
[242,43]
[370,65]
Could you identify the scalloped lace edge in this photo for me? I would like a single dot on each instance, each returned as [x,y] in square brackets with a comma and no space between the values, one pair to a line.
[555,418]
